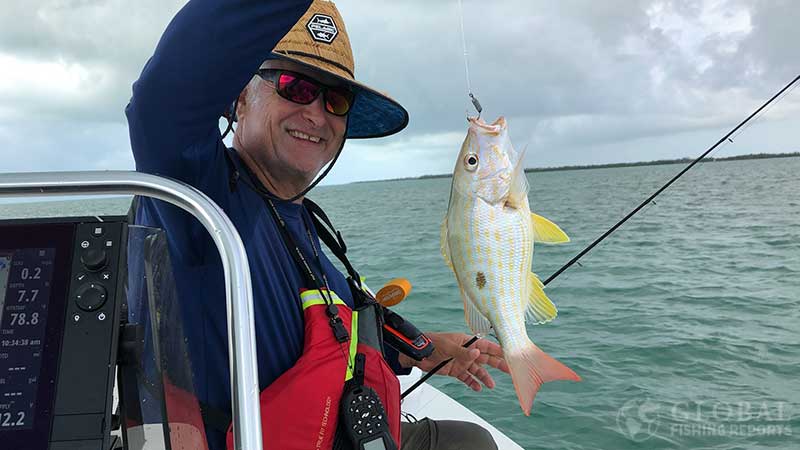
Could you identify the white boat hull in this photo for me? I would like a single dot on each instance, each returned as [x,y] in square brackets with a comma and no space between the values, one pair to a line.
[427,401]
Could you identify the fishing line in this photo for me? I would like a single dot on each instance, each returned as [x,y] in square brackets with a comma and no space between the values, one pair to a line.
[472,97]
[736,135]
[726,141]
[646,202]
[665,186]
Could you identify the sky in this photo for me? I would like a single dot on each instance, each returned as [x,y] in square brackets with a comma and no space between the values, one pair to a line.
[579,81]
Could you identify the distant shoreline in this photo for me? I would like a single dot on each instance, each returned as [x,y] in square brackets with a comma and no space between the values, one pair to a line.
[659,162]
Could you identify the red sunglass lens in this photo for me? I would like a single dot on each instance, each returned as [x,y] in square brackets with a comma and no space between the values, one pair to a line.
[296,89]
[300,90]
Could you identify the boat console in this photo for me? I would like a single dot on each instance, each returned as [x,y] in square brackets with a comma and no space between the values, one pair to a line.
[66,328]
[60,297]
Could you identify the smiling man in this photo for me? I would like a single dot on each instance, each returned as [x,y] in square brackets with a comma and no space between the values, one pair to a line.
[290,84]
[288,143]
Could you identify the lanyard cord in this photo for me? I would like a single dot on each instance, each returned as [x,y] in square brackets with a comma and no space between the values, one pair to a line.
[297,254]
[333,240]
[331,310]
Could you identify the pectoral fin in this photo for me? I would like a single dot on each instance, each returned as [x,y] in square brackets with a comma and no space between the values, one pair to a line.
[477,323]
[539,309]
[443,243]
[546,232]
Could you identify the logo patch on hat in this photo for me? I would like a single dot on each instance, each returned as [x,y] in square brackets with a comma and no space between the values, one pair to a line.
[322,28]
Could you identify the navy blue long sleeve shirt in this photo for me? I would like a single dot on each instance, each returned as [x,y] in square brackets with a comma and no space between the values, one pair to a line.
[206,56]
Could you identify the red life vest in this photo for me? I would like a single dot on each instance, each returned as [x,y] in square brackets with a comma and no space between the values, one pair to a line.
[300,410]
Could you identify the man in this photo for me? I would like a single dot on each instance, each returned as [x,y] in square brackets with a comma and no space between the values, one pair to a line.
[296,101]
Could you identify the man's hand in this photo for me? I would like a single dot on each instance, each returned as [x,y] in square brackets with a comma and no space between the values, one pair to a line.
[467,364]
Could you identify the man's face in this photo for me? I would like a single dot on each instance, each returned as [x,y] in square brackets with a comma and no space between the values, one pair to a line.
[288,141]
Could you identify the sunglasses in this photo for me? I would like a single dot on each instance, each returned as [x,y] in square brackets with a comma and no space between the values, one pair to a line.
[300,89]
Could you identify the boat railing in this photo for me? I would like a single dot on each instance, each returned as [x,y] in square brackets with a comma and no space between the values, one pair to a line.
[238,286]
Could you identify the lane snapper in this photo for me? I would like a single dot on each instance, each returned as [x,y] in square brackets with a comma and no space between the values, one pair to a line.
[487,240]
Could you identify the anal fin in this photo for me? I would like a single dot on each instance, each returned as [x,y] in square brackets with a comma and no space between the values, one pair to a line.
[476,322]
[539,309]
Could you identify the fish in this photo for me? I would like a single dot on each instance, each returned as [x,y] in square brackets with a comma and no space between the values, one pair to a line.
[487,239]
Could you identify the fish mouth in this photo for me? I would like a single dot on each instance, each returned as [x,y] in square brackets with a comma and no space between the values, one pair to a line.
[493,129]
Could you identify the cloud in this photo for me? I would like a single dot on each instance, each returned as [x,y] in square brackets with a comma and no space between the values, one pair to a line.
[58,145]
[578,80]
[76,58]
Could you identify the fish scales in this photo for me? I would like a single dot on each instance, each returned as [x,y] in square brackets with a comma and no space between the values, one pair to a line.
[487,240]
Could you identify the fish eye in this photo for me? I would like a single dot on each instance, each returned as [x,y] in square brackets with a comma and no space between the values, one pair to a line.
[471,161]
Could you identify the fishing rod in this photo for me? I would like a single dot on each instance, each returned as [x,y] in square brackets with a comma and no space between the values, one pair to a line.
[665,186]
[649,199]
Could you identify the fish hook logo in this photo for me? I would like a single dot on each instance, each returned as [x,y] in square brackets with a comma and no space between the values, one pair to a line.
[638,419]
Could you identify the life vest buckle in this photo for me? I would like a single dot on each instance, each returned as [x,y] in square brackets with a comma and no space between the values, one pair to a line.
[339,331]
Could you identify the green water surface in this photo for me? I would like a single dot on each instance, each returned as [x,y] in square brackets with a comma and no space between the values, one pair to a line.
[684,324]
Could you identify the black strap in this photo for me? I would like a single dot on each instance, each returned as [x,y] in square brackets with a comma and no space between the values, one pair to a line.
[299,259]
[358,370]
[336,244]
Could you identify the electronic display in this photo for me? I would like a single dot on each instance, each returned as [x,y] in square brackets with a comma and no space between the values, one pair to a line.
[60,286]
[5,268]
[35,261]
[375,444]
[26,277]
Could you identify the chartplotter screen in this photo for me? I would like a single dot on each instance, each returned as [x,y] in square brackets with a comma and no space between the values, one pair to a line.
[5,268]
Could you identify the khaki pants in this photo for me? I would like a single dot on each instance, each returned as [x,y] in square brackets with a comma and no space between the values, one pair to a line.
[430,434]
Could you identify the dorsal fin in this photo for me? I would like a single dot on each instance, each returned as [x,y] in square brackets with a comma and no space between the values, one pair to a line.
[518,194]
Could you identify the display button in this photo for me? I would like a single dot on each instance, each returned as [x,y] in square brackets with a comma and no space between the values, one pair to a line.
[94,259]
[91,296]
[98,231]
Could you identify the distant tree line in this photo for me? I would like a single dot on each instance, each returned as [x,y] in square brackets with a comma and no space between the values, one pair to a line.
[626,164]
[664,161]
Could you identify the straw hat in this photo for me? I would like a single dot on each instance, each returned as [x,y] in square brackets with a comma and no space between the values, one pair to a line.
[319,40]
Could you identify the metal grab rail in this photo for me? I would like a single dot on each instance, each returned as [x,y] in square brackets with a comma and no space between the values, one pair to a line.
[238,285]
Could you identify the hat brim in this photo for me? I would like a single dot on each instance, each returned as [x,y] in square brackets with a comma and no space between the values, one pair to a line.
[372,115]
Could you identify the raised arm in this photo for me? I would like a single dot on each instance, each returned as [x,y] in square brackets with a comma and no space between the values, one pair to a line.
[204,59]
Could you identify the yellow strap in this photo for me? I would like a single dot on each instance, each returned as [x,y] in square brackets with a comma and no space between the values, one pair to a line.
[314,297]
[351,360]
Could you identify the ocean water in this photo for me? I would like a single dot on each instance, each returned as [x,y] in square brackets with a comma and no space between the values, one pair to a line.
[684,324]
